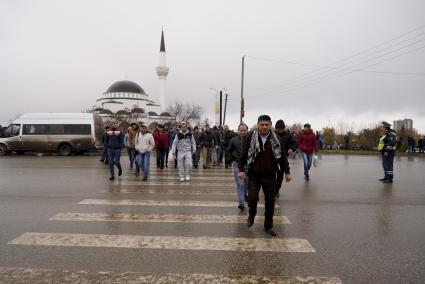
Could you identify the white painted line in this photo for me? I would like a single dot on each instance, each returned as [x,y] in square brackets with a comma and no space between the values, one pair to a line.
[173,191]
[38,276]
[176,183]
[187,203]
[158,218]
[176,178]
[164,242]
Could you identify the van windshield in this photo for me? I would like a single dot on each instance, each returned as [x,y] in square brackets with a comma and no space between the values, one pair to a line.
[12,130]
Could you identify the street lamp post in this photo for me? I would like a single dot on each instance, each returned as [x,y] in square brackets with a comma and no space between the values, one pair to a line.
[242,114]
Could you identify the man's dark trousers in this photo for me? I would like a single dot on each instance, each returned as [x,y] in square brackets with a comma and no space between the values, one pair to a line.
[279,180]
[268,183]
[388,164]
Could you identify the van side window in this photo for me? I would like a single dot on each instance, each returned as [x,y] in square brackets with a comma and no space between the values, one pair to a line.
[34,129]
[81,129]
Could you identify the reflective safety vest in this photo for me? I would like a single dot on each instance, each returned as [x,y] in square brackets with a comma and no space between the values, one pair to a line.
[381,143]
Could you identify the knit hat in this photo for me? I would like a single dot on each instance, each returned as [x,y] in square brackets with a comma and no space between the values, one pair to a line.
[280,124]
[264,117]
[307,125]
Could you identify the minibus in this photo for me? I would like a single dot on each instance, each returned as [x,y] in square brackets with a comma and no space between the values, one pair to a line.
[65,133]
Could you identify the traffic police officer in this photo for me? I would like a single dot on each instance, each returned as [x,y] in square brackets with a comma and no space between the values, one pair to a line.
[387,147]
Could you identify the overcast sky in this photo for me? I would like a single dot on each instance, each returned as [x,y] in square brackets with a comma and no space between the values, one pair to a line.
[60,56]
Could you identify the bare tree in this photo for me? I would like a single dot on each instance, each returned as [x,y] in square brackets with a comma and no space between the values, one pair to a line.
[190,113]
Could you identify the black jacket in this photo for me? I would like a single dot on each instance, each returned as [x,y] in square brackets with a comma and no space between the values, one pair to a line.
[264,163]
[287,140]
[235,147]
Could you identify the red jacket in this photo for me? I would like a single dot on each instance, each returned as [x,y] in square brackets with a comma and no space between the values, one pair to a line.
[161,140]
[307,142]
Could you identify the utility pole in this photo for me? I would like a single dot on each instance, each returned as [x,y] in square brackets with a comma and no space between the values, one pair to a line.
[221,107]
[225,109]
[242,114]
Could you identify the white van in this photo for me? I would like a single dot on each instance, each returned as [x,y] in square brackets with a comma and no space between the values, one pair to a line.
[53,132]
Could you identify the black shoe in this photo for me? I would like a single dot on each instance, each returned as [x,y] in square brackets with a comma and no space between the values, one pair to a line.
[196,166]
[205,167]
[241,207]
[382,179]
[270,231]
[307,177]
[387,181]
[145,178]
[112,178]
[276,195]
[250,222]
[119,171]
[102,160]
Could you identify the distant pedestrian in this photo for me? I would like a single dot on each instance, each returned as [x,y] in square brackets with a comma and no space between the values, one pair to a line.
[411,144]
[421,145]
[144,145]
[216,147]
[207,140]
[131,142]
[197,155]
[161,145]
[261,157]
[104,158]
[114,142]
[288,141]
[171,136]
[167,152]
[226,136]
[234,150]
[184,146]
[308,146]
[386,146]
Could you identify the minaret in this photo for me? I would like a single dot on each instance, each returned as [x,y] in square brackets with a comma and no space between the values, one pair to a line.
[162,71]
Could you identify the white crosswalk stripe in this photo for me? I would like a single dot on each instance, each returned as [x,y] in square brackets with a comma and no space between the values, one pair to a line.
[165,242]
[188,203]
[174,184]
[38,276]
[168,218]
[172,191]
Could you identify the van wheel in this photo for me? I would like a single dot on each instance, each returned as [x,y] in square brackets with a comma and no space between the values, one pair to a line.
[65,150]
[3,150]
[19,152]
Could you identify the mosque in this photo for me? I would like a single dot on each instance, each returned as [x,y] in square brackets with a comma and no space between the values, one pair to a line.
[128,99]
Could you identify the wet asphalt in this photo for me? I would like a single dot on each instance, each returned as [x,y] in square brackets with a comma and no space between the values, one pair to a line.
[363,231]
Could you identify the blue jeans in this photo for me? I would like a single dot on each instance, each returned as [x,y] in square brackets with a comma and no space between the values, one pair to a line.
[114,156]
[241,185]
[143,162]
[308,159]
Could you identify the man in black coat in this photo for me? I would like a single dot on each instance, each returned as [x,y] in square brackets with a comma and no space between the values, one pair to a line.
[289,142]
[261,158]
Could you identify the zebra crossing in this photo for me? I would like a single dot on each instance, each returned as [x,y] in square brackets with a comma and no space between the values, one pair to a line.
[140,197]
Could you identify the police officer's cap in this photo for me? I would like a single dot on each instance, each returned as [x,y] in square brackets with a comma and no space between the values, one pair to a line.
[386,124]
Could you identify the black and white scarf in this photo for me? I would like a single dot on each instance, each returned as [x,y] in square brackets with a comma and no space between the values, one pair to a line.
[255,149]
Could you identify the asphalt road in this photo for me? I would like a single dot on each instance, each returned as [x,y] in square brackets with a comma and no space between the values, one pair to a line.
[63,221]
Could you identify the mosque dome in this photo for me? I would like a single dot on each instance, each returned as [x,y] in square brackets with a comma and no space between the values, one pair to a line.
[125,86]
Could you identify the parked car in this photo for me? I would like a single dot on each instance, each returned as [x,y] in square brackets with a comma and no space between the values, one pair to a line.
[65,133]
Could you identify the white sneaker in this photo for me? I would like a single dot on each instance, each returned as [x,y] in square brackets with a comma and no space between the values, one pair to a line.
[182,179]
[187,178]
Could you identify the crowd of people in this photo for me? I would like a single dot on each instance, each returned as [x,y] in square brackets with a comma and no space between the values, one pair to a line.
[258,157]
